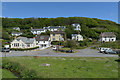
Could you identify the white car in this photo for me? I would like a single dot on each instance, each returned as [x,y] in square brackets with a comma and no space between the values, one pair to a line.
[103,49]
[54,48]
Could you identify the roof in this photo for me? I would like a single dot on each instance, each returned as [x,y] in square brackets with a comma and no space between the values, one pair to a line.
[73,35]
[56,27]
[37,29]
[25,39]
[74,25]
[107,34]
[15,27]
[57,32]
[16,32]
[42,38]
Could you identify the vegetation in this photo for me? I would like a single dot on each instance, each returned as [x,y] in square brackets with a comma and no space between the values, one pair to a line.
[113,45]
[7,74]
[91,27]
[20,49]
[65,67]
[18,69]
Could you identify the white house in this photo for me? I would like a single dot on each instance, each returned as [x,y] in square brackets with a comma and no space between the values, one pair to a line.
[77,27]
[38,31]
[43,41]
[23,42]
[77,37]
[16,33]
[107,37]
[16,28]
[54,28]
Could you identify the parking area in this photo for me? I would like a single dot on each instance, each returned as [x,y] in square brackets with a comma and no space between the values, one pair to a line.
[87,52]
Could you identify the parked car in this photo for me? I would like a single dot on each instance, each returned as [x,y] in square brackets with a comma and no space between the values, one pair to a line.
[5,49]
[54,48]
[102,50]
[110,51]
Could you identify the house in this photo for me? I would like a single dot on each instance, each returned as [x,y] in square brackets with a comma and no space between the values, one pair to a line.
[23,42]
[43,41]
[55,28]
[77,37]
[57,36]
[16,33]
[107,37]
[16,28]
[38,31]
[76,26]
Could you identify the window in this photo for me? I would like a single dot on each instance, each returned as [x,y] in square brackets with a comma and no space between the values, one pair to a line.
[28,45]
[53,39]
[53,34]
[61,34]
[44,41]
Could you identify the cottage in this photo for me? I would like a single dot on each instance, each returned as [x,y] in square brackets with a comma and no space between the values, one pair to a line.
[77,37]
[38,31]
[77,27]
[55,28]
[16,28]
[43,41]
[23,42]
[107,37]
[16,33]
[57,36]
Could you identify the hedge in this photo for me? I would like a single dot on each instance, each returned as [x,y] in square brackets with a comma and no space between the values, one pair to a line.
[19,69]
[20,49]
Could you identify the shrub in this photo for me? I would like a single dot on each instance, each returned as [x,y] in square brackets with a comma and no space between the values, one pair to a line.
[16,67]
[20,49]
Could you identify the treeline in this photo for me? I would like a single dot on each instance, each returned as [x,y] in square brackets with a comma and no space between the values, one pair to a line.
[91,27]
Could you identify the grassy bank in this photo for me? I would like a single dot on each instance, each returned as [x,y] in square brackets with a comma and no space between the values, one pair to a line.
[69,67]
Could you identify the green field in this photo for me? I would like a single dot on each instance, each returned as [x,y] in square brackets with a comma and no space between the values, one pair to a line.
[68,67]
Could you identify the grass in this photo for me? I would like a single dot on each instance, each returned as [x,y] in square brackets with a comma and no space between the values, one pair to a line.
[69,67]
[7,74]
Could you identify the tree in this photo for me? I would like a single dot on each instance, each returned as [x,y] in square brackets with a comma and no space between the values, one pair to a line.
[70,44]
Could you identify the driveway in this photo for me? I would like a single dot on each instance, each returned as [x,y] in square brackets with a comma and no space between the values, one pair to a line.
[87,52]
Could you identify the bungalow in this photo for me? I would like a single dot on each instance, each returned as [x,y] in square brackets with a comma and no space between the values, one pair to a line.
[57,36]
[55,28]
[77,27]
[16,28]
[38,31]
[107,37]
[23,42]
[77,37]
[16,33]
[43,41]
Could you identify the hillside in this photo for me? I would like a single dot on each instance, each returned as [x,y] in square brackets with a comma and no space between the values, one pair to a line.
[91,27]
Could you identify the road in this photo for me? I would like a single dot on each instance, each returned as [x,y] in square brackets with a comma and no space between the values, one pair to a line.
[87,52]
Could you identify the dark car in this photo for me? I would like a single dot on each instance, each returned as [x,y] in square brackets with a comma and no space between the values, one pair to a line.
[5,49]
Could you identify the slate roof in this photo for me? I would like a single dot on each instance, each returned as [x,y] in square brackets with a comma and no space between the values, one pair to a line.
[56,27]
[15,27]
[57,32]
[42,38]
[16,32]
[74,35]
[75,24]
[26,40]
[37,29]
[107,34]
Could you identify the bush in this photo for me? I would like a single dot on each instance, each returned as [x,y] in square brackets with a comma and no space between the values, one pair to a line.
[57,42]
[114,45]
[16,67]
[20,49]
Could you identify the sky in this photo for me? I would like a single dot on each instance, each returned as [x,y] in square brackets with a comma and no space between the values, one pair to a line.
[101,10]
